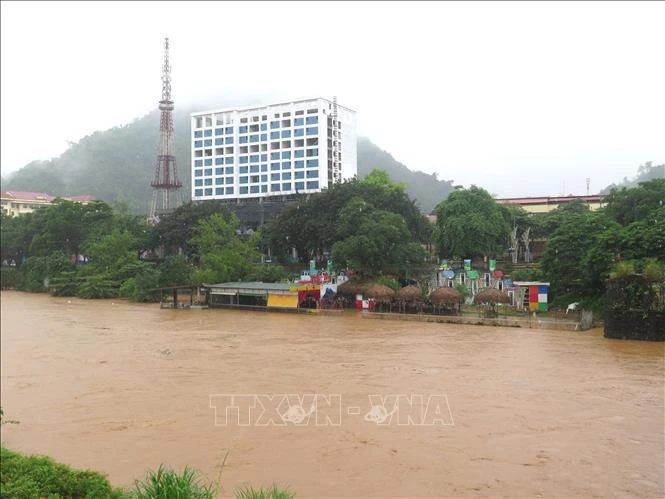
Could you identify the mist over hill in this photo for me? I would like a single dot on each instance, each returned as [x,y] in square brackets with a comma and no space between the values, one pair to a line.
[118,165]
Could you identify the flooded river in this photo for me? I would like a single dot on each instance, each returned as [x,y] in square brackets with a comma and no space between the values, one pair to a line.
[121,387]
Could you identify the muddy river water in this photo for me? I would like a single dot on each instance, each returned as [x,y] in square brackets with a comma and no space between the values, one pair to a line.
[121,387]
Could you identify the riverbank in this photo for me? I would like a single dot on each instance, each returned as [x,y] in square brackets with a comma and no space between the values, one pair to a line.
[122,387]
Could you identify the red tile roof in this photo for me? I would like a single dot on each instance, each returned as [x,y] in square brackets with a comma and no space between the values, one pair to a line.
[28,196]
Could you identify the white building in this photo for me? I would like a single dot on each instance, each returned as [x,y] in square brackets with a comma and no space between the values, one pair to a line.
[280,149]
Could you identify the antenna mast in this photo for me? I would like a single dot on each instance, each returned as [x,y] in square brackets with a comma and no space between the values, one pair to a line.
[166,180]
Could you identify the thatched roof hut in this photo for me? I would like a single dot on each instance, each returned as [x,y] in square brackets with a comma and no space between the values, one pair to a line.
[410,293]
[491,297]
[446,295]
[351,288]
[379,292]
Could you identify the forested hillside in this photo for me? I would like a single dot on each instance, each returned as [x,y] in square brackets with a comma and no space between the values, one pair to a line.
[118,165]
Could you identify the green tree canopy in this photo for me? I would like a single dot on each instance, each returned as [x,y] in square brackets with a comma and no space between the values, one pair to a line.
[470,223]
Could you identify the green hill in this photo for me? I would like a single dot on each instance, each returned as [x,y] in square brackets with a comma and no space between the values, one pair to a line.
[118,165]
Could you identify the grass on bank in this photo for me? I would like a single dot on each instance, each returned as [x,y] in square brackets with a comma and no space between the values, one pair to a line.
[41,477]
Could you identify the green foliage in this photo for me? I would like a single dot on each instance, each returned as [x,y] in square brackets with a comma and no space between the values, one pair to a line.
[268,273]
[38,271]
[10,278]
[654,270]
[98,286]
[271,493]
[470,223]
[633,204]
[647,171]
[166,483]
[535,274]
[223,255]
[370,224]
[40,476]
[65,284]
[390,282]
[623,269]
[175,270]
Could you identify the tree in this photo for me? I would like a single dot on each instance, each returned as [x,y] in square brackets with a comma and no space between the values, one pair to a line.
[223,255]
[470,223]
[631,204]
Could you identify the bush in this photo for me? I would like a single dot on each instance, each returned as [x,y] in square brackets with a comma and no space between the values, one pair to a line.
[272,493]
[10,277]
[40,476]
[98,286]
[165,483]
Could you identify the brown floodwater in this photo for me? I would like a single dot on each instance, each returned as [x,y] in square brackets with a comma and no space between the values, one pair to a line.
[121,387]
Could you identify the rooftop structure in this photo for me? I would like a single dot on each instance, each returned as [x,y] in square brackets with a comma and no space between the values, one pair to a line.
[21,202]
[545,204]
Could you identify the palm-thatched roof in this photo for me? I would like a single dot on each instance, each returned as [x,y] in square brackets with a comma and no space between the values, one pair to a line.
[351,288]
[379,292]
[446,295]
[491,297]
[410,292]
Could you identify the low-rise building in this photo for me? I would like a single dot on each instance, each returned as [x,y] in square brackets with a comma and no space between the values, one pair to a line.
[21,202]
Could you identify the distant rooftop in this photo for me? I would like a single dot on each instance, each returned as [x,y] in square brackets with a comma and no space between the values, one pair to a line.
[263,106]
[596,198]
[27,196]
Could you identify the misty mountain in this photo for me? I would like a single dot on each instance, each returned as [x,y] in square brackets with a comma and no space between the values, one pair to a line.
[119,164]
[647,171]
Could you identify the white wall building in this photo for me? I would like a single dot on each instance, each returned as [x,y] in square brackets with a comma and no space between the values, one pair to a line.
[272,150]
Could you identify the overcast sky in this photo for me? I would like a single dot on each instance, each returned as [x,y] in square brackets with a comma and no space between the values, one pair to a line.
[522,98]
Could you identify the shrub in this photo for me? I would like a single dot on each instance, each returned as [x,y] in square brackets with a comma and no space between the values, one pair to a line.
[166,483]
[40,476]
[272,493]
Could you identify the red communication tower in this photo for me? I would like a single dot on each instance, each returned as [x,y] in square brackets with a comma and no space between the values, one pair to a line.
[166,194]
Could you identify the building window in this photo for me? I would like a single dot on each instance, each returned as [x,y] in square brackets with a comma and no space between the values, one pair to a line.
[264,168]
[300,186]
[198,192]
[274,177]
[254,179]
[300,153]
[286,123]
[253,138]
[219,141]
[264,127]
[228,169]
[312,152]
[229,180]
[254,169]
[207,181]
[264,188]
[274,135]
[299,175]
[286,165]
[219,171]
[312,163]
[242,139]
[207,133]
[264,178]
[242,180]
[219,131]
[312,173]
[299,132]
[286,176]
[208,192]
[254,189]
[254,158]
[219,181]
[198,182]
[312,120]
[207,172]
[243,160]
[274,166]
[264,137]
[264,157]
[274,187]
[300,164]
[229,130]
[286,134]
[198,173]
[207,162]
[286,186]
[219,191]
[243,190]
[198,162]
[254,128]
[219,161]
[298,122]
[314,184]
[229,160]
[274,155]
[228,140]
[242,169]
[198,143]
[229,190]
[314,130]
[198,134]
[274,124]
[286,154]
[242,129]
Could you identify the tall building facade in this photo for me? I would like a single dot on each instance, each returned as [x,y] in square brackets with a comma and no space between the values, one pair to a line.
[281,149]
